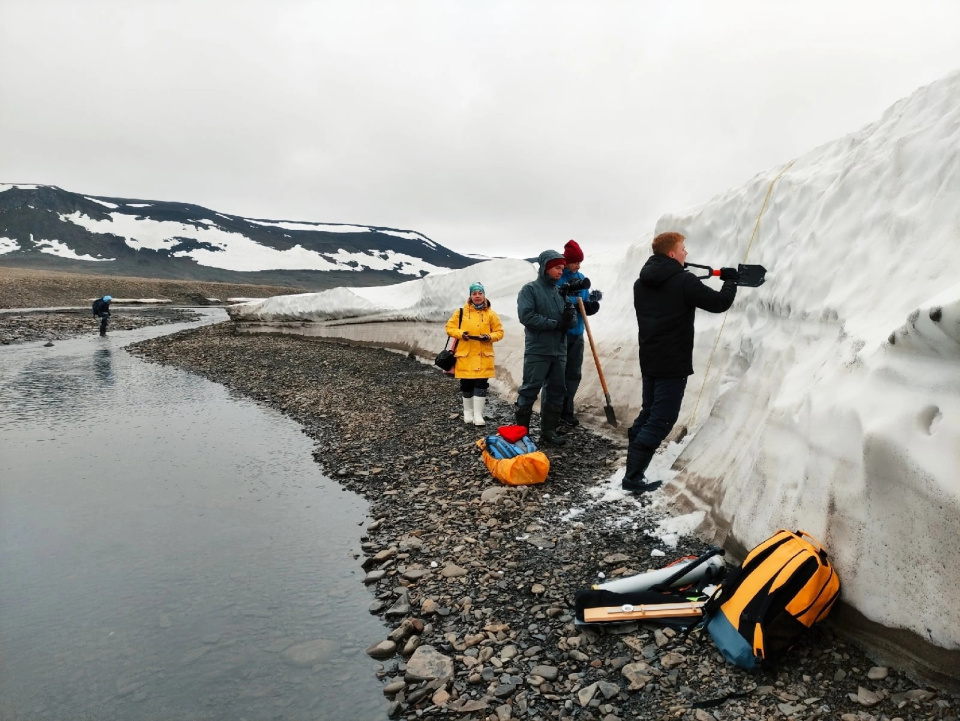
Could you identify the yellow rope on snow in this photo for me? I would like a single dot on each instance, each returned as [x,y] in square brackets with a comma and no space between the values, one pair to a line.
[753,235]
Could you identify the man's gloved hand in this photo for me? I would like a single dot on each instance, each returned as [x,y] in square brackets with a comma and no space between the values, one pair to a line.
[595,296]
[569,319]
[484,336]
[729,274]
[466,336]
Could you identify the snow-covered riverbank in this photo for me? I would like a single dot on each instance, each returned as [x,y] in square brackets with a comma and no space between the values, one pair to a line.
[827,399]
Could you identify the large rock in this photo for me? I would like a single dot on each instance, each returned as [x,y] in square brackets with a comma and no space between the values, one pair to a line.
[427,663]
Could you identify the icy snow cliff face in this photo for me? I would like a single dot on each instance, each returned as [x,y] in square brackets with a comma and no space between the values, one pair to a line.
[832,401]
[834,395]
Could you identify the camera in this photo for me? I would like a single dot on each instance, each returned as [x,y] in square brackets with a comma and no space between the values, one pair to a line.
[574,286]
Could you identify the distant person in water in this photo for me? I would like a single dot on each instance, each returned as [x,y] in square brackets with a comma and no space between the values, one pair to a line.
[476,328]
[101,310]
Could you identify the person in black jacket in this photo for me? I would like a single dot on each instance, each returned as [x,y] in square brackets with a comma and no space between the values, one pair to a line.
[666,298]
[101,310]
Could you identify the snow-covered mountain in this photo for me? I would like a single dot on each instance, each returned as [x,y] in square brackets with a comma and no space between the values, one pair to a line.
[826,400]
[43,226]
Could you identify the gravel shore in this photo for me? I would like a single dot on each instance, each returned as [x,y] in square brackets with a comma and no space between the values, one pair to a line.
[30,288]
[50,325]
[475,579]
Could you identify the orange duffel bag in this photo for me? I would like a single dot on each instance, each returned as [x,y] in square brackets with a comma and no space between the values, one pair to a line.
[514,462]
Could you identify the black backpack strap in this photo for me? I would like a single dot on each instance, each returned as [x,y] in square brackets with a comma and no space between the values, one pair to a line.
[449,338]
[683,571]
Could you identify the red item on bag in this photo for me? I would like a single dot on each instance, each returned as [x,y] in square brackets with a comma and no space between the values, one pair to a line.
[512,433]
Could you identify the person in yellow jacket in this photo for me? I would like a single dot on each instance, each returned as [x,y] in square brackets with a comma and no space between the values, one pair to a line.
[475,334]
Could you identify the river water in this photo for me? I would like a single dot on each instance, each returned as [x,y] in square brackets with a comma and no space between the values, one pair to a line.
[170,551]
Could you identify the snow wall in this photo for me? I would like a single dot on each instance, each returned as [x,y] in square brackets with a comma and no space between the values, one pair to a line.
[831,402]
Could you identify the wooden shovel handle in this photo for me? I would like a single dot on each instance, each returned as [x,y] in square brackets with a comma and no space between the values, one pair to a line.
[593,347]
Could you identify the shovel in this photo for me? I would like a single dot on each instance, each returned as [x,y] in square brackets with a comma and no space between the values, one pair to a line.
[608,408]
[751,276]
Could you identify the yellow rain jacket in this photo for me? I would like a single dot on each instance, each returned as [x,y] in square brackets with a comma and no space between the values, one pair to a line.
[475,356]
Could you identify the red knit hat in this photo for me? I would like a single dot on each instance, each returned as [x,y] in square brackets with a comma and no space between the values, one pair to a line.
[552,263]
[572,252]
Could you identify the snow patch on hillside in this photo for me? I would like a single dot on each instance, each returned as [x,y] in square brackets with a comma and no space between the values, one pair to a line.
[101,202]
[234,251]
[55,247]
[8,245]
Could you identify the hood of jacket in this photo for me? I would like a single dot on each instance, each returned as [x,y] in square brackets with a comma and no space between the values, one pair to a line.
[544,258]
[658,270]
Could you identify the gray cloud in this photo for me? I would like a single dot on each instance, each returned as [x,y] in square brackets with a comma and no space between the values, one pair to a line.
[492,127]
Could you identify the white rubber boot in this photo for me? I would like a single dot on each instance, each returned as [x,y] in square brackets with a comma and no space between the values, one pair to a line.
[479,404]
[468,410]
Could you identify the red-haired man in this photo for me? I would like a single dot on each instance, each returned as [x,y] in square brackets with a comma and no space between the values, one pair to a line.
[666,298]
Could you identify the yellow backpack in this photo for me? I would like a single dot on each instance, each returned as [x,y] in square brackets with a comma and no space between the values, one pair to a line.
[783,587]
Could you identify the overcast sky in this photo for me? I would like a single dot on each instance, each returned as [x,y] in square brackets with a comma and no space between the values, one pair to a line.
[491,127]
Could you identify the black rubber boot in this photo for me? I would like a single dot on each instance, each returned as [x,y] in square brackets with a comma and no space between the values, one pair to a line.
[567,415]
[521,416]
[549,420]
[638,458]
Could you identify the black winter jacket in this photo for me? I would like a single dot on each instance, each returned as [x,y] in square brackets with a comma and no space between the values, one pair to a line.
[101,307]
[666,298]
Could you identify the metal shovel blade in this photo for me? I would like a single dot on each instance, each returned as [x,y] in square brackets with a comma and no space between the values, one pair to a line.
[608,409]
[752,276]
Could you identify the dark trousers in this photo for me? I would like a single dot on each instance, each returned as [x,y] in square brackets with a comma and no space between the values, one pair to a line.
[103,323]
[661,408]
[542,372]
[470,387]
[573,372]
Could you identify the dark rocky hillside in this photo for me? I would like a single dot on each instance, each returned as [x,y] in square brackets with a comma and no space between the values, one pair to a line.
[48,228]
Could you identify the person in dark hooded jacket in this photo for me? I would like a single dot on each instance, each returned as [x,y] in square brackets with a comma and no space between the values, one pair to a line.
[101,310]
[666,298]
[546,320]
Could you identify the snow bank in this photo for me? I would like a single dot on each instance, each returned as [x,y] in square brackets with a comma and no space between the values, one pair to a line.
[832,400]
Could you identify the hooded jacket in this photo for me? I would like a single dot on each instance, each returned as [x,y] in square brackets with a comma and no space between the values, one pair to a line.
[540,310]
[474,356]
[666,298]
[101,307]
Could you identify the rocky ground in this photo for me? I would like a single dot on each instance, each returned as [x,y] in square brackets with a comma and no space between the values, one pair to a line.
[475,579]
[28,326]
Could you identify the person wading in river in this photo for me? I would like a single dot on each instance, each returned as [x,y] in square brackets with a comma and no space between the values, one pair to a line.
[101,310]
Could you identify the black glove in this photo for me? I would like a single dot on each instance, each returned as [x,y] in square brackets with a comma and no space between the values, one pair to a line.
[729,274]
[569,318]
[595,296]
[484,337]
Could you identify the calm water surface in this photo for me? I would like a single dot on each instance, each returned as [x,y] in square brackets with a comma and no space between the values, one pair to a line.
[168,551]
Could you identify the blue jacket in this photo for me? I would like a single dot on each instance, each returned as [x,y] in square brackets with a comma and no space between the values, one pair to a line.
[591,306]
